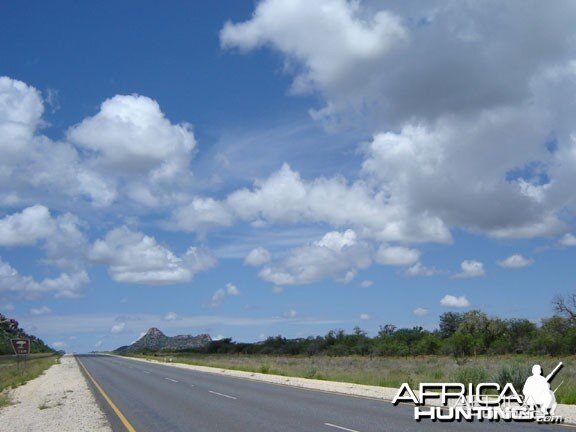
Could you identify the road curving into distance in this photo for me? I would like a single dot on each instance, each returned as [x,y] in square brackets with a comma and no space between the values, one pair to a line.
[149,397]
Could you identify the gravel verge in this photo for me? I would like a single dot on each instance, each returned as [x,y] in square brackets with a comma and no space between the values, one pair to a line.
[59,400]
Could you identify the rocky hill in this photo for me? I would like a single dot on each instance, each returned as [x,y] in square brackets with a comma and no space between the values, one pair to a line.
[155,340]
[9,329]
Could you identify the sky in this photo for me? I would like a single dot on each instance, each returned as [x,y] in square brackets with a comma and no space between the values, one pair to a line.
[248,169]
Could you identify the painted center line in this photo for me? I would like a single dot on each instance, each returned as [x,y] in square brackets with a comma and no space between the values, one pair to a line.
[170,379]
[221,394]
[340,427]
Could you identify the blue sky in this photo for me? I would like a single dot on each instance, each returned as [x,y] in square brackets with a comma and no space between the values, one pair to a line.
[280,167]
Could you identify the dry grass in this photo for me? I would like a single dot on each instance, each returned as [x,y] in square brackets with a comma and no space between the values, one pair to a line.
[393,371]
[13,375]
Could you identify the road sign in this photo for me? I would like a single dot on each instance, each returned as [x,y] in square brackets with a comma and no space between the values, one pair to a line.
[21,346]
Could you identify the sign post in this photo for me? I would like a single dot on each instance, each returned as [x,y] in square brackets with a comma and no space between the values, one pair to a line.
[21,348]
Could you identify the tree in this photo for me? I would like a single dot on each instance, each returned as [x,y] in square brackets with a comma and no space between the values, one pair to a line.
[556,325]
[429,344]
[359,332]
[387,330]
[474,321]
[461,344]
[449,323]
[566,306]
[519,334]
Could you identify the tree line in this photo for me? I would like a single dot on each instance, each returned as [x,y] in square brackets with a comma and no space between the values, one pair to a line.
[458,334]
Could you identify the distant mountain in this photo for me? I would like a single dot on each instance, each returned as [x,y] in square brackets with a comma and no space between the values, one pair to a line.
[155,340]
[9,329]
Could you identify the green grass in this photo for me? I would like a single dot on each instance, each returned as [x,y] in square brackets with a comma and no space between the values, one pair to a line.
[393,371]
[12,375]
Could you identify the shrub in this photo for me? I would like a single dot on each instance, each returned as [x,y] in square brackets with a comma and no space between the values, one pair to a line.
[462,344]
[516,375]
[474,375]
[311,371]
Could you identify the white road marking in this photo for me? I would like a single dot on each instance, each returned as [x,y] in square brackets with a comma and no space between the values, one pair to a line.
[340,427]
[221,394]
[145,371]
[170,379]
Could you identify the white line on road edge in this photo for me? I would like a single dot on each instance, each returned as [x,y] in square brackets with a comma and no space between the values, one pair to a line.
[340,427]
[221,394]
[170,379]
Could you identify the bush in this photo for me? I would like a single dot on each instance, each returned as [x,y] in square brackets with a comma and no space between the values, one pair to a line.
[311,371]
[516,375]
[474,375]
[462,344]
[428,345]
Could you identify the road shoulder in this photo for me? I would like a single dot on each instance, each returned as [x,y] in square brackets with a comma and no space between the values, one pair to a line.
[59,400]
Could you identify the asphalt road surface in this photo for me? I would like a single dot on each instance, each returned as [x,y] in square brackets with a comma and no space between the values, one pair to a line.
[159,398]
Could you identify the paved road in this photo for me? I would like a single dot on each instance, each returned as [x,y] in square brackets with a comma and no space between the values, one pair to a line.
[159,398]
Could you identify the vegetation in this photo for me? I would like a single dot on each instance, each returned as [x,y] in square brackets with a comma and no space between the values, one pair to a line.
[13,374]
[9,329]
[392,371]
[466,347]
[459,335]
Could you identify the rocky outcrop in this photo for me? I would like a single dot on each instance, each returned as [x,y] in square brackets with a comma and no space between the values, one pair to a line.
[155,340]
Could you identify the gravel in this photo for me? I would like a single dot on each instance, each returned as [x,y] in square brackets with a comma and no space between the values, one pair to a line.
[57,401]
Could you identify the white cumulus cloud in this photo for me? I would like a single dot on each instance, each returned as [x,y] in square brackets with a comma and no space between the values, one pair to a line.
[221,294]
[27,227]
[330,38]
[201,215]
[515,261]
[61,237]
[338,255]
[420,311]
[568,240]
[420,269]
[454,301]
[396,255]
[257,257]
[171,316]
[285,198]
[472,157]
[232,289]
[132,134]
[21,110]
[118,328]
[134,257]
[471,269]
[65,285]
[218,296]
